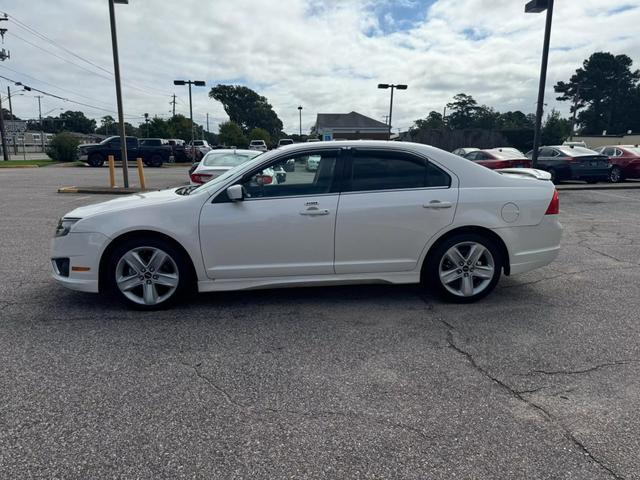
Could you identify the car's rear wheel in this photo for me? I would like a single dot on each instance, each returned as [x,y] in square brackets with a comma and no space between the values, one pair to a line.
[95,160]
[554,175]
[615,175]
[148,274]
[465,268]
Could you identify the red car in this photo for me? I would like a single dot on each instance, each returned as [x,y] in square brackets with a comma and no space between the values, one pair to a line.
[625,161]
[495,158]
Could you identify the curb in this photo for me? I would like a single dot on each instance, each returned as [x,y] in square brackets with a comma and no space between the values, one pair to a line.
[21,166]
[101,190]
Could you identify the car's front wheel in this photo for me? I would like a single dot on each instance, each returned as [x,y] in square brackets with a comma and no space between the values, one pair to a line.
[465,268]
[148,274]
[155,161]
[95,160]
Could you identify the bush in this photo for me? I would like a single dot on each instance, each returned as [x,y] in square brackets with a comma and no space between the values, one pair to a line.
[63,147]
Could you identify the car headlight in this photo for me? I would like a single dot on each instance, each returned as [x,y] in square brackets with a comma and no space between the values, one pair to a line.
[64,225]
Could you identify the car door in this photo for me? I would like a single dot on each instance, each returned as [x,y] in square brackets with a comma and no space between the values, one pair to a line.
[392,203]
[283,227]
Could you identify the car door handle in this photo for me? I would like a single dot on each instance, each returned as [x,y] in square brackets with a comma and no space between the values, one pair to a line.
[437,204]
[315,211]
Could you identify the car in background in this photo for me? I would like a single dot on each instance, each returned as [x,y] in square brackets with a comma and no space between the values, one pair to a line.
[179,150]
[259,145]
[217,162]
[312,162]
[625,161]
[573,163]
[198,150]
[374,212]
[496,158]
[153,151]
[574,144]
[285,141]
[313,140]
[464,150]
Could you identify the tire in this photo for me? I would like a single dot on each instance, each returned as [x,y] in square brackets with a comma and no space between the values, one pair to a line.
[554,175]
[458,289]
[140,278]
[95,160]
[615,175]
[155,161]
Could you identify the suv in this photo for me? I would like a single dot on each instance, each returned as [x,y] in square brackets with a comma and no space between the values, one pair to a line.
[153,151]
[179,151]
[258,145]
[285,141]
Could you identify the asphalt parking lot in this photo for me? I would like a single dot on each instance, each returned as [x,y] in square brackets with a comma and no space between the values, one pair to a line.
[540,380]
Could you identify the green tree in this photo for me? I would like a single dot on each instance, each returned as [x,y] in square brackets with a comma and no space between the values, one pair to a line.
[247,109]
[62,147]
[462,111]
[158,128]
[486,118]
[260,134]
[76,122]
[433,121]
[555,129]
[515,121]
[107,125]
[230,134]
[607,89]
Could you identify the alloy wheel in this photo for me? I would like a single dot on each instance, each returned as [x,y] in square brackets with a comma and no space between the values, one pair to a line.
[466,269]
[147,275]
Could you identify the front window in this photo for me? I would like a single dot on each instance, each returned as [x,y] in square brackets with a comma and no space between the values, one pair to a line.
[302,174]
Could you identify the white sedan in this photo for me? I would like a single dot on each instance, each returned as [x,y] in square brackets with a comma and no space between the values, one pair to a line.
[216,162]
[387,212]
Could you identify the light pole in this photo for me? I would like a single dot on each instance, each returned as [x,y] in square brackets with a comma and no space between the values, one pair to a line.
[300,113]
[197,83]
[146,122]
[392,87]
[116,72]
[537,6]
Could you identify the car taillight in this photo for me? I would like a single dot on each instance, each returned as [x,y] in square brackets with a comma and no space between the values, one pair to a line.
[554,205]
[501,164]
[200,177]
[267,179]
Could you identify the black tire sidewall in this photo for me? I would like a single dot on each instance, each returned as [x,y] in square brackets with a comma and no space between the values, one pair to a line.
[178,257]
[432,273]
[619,175]
[95,160]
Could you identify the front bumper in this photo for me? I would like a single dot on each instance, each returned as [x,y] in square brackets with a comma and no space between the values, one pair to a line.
[83,251]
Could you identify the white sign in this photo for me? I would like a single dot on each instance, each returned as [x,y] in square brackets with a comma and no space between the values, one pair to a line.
[15,126]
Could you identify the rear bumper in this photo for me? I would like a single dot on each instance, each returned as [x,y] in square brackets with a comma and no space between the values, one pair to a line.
[532,247]
[579,173]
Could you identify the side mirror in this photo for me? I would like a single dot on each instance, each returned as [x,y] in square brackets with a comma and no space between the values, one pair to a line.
[235,193]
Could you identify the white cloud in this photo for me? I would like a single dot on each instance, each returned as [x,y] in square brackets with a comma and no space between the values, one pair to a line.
[326,55]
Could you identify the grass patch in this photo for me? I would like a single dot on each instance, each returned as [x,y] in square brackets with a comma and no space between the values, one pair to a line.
[18,163]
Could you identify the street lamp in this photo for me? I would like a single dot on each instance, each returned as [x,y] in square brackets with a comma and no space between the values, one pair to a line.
[146,122]
[392,87]
[300,112]
[116,72]
[197,83]
[537,6]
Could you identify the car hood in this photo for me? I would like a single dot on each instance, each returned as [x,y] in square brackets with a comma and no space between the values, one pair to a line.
[88,145]
[127,202]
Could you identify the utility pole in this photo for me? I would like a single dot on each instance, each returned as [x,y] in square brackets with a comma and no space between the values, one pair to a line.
[146,122]
[386,119]
[39,97]
[3,133]
[116,71]
[173,102]
[207,122]
[300,112]
[197,83]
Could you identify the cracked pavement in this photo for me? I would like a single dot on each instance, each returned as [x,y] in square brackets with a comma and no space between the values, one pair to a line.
[540,380]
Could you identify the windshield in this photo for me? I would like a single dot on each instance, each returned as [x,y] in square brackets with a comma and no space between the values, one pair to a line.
[227,159]
[576,151]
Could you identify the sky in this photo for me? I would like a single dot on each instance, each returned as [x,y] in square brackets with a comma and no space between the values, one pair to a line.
[324,55]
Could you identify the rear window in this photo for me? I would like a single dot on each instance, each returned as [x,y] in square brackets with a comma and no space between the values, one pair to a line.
[286,142]
[633,150]
[576,151]
[213,159]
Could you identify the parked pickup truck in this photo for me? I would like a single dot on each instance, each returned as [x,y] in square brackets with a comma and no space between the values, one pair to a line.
[153,151]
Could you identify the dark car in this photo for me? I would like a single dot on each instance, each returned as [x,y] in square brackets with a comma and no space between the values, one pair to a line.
[152,152]
[495,158]
[573,163]
[179,150]
[625,161]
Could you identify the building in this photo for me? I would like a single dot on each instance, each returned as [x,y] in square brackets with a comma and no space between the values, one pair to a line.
[349,126]
[595,141]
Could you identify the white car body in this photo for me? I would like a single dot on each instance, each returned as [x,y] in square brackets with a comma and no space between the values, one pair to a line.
[217,162]
[332,238]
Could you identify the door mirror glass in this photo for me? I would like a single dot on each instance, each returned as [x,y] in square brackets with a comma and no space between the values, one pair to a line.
[235,193]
